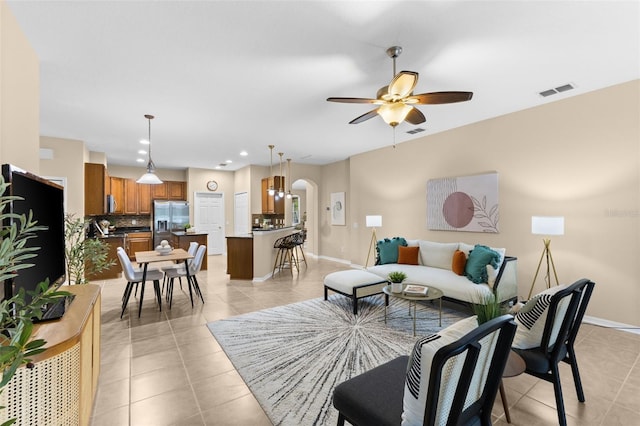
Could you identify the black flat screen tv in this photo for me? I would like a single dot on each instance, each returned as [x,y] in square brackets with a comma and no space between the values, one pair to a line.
[45,199]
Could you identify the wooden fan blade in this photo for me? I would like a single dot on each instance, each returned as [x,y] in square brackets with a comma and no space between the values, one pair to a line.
[364,117]
[415,116]
[354,100]
[439,98]
[402,85]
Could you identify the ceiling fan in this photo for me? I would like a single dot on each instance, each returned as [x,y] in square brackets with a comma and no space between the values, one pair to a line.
[396,101]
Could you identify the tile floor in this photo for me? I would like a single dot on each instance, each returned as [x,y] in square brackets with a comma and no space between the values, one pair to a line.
[165,368]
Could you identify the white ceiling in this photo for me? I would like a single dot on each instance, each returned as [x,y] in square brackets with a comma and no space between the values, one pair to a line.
[227,76]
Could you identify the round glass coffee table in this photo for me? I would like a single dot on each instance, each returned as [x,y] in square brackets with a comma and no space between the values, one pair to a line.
[432,294]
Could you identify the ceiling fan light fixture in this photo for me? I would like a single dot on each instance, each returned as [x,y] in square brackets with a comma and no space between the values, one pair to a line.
[394,113]
[149,178]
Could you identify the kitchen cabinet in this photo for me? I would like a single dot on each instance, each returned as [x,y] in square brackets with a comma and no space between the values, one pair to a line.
[130,197]
[240,257]
[117,192]
[182,240]
[169,190]
[176,190]
[159,192]
[144,198]
[95,189]
[138,241]
[272,204]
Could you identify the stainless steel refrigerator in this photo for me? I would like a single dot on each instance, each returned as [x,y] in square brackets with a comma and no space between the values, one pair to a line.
[168,216]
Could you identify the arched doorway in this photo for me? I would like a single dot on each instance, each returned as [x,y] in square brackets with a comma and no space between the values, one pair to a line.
[306,192]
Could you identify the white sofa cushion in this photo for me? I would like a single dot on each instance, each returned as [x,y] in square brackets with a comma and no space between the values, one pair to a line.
[345,281]
[454,286]
[419,371]
[437,255]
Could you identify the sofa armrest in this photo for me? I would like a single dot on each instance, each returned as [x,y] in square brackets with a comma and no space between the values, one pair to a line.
[506,285]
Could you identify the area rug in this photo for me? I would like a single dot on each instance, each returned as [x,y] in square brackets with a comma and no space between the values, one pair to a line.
[293,356]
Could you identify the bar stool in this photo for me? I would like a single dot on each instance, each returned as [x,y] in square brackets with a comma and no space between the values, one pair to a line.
[285,257]
[299,239]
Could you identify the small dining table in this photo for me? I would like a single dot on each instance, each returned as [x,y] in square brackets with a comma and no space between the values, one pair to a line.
[144,258]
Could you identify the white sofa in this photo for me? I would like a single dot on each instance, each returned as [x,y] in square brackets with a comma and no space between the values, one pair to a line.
[435,269]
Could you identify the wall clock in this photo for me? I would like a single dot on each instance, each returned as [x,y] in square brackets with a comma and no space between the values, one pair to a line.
[212,185]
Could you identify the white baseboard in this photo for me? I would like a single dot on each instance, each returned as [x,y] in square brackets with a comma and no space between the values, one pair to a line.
[611,324]
[334,259]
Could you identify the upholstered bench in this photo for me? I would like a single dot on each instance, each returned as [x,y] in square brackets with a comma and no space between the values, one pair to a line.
[356,284]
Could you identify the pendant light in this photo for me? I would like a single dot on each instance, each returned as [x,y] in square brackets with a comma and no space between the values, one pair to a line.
[150,178]
[289,177]
[281,189]
[271,191]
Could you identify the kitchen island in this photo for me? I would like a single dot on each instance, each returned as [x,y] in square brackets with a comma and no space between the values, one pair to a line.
[181,239]
[251,256]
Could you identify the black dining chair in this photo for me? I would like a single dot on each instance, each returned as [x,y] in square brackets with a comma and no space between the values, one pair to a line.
[461,384]
[565,313]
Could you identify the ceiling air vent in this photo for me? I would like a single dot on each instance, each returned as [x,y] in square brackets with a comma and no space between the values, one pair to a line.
[555,90]
[416,130]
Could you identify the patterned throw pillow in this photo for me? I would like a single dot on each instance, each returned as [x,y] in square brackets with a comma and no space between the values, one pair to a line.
[388,250]
[476,266]
[531,317]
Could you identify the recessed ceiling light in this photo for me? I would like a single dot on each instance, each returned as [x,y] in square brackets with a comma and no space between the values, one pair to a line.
[142,151]
[217,167]
[140,160]
[144,142]
[244,153]
[228,161]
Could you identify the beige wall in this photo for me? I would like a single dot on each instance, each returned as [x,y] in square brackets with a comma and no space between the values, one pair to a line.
[578,158]
[334,239]
[67,162]
[19,96]
[130,172]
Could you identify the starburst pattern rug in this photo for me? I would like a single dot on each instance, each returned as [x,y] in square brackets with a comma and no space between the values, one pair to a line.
[293,356]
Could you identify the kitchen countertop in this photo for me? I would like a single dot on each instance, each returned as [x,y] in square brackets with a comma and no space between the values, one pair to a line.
[182,233]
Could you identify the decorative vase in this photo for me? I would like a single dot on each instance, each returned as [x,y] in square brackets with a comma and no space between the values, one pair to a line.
[396,287]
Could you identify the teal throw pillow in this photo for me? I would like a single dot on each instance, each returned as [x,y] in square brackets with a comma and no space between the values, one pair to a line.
[388,250]
[479,258]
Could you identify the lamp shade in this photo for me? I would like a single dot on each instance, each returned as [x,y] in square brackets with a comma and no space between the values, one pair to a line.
[547,225]
[149,178]
[374,221]
[394,113]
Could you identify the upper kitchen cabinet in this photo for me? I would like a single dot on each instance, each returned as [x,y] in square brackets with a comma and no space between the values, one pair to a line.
[144,198]
[95,189]
[272,204]
[130,197]
[117,192]
[169,190]
[177,190]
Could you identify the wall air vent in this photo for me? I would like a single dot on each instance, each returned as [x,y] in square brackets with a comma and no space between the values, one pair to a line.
[222,164]
[556,90]
[416,130]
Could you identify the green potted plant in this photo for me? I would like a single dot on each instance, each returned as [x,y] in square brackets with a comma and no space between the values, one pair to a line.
[487,308]
[396,278]
[84,256]
[16,316]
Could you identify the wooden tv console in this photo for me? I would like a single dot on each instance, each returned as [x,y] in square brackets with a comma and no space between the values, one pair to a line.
[61,387]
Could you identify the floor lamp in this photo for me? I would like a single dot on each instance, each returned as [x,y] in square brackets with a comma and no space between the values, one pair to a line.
[546,225]
[372,222]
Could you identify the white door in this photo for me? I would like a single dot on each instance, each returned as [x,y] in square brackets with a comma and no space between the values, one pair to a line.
[241,213]
[208,216]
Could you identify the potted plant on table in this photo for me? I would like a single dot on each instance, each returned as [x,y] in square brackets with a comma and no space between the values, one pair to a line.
[84,255]
[396,278]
